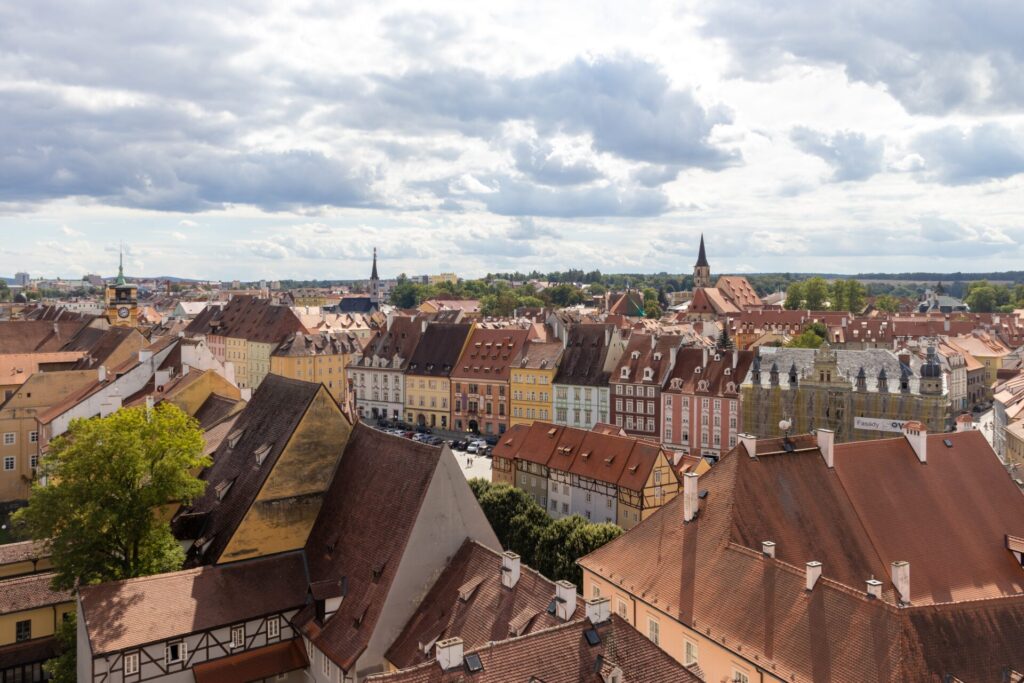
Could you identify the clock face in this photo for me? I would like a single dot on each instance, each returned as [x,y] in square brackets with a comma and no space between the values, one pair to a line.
[122,312]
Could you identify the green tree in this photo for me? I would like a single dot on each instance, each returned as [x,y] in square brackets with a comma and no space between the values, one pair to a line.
[837,295]
[106,480]
[724,340]
[405,294]
[854,296]
[501,304]
[5,291]
[479,486]
[794,296]
[887,303]
[502,502]
[597,289]
[523,531]
[63,668]
[815,293]
[981,298]
[566,540]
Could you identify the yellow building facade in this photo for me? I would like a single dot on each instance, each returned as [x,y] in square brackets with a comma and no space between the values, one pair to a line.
[531,379]
[661,486]
[426,401]
[317,358]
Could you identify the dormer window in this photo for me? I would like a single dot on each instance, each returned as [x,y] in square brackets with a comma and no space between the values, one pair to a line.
[697,370]
[657,356]
[234,437]
[648,374]
[261,453]
[728,371]
[635,355]
[625,373]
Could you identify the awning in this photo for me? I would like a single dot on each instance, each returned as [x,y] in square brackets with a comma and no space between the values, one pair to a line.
[254,665]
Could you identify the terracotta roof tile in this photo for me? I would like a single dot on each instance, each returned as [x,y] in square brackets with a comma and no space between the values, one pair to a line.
[253,665]
[30,592]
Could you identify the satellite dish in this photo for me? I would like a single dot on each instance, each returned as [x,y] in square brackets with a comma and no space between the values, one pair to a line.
[785,425]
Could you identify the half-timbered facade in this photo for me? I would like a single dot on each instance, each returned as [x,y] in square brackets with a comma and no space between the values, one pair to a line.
[602,476]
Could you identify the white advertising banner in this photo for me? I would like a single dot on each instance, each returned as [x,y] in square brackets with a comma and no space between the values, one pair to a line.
[878,424]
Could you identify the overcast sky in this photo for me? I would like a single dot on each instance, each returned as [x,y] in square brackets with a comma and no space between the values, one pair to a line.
[248,139]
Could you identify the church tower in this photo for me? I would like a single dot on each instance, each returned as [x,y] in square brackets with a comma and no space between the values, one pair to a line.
[701,269]
[122,299]
[375,281]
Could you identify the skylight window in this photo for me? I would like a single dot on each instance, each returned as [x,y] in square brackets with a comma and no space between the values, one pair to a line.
[473,663]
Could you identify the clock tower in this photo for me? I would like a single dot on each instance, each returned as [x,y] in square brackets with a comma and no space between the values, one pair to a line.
[122,299]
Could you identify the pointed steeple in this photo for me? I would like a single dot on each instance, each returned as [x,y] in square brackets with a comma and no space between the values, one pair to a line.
[702,258]
[120,282]
[373,273]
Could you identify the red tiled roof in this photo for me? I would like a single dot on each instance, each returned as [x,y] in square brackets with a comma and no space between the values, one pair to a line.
[490,354]
[253,665]
[375,469]
[878,505]
[30,592]
[560,654]
[133,612]
[490,612]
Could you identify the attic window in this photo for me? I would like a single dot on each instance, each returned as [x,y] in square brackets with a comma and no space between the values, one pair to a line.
[261,453]
[648,373]
[584,455]
[234,437]
[634,355]
[592,636]
[551,432]
[625,373]
[467,589]
[473,663]
[948,443]
[657,356]
[696,370]
[728,371]
[609,461]
[223,488]
[378,571]
[358,621]
[633,469]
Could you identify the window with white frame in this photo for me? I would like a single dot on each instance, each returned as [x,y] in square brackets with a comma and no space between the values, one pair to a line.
[690,653]
[174,652]
[9,438]
[620,607]
[8,463]
[273,627]
[325,665]
[237,636]
[653,630]
[131,663]
[33,437]
[740,676]
[595,592]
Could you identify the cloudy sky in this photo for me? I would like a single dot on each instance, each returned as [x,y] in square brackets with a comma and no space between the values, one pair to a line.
[251,139]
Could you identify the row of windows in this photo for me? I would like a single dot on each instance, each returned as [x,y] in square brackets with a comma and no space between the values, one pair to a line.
[11,462]
[629,390]
[176,652]
[475,389]
[533,396]
[530,413]
[528,378]
[577,393]
[639,406]
[433,402]
[11,438]
[637,425]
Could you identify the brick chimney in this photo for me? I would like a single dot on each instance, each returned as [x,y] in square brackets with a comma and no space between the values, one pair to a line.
[449,653]
[599,610]
[917,435]
[813,573]
[691,501]
[565,600]
[901,579]
[510,567]
[826,444]
[768,548]
[749,441]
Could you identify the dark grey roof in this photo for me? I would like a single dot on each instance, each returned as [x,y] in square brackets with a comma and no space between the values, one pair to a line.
[584,357]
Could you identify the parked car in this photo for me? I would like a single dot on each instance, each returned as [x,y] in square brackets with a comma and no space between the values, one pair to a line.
[473,447]
[491,440]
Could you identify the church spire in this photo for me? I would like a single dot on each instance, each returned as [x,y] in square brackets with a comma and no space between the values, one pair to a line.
[120,269]
[373,273]
[702,258]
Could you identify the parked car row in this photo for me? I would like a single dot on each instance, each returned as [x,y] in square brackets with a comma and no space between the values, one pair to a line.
[475,446]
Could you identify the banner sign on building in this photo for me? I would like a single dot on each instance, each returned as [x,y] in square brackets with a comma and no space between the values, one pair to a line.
[878,424]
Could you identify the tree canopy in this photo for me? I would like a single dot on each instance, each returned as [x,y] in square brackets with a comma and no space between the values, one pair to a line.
[524,527]
[106,479]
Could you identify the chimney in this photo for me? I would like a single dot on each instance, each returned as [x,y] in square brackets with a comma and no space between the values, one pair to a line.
[749,441]
[704,358]
[102,374]
[149,404]
[768,548]
[145,355]
[874,588]
[449,653]
[826,444]
[691,502]
[917,434]
[945,325]
[735,358]
[654,342]
[565,600]
[901,579]
[599,610]
[510,567]
[813,573]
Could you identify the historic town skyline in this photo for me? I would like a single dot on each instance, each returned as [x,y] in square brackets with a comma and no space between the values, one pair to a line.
[266,141]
